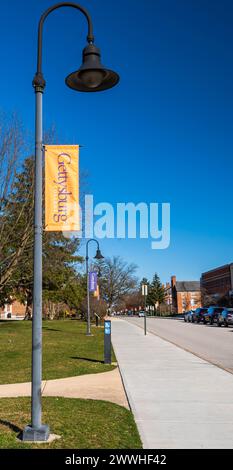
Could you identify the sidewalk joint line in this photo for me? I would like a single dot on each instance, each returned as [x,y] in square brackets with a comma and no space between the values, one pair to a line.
[44,387]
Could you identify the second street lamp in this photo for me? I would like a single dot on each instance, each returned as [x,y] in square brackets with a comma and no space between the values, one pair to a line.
[145,293]
[97,256]
[91,76]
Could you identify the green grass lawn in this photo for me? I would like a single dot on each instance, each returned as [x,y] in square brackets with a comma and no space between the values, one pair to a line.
[67,351]
[82,424]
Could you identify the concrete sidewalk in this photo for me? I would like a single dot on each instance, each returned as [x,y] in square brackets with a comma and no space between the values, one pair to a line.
[103,386]
[179,401]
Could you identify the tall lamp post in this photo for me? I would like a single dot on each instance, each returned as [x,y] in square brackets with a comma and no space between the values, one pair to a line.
[90,77]
[97,256]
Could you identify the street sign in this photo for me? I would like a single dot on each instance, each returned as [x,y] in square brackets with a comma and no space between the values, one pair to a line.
[107,327]
[144,289]
[107,342]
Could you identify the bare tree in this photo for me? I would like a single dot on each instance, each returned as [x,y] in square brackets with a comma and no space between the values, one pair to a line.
[117,279]
[98,307]
[12,146]
[16,213]
[186,302]
[208,299]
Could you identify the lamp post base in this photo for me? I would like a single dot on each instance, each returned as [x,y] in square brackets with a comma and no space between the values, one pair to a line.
[40,434]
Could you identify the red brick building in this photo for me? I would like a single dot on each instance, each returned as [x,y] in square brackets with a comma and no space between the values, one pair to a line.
[168,295]
[186,295]
[218,282]
[16,310]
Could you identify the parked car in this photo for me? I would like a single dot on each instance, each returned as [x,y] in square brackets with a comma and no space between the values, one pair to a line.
[212,314]
[130,312]
[141,313]
[188,316]
[225,317]
[198,314]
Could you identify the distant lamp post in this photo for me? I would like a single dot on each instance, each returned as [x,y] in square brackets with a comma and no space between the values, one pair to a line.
[145,293]
[97,256]
[91,76]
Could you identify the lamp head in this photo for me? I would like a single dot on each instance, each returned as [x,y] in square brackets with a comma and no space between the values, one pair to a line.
[99,254]
[92,75]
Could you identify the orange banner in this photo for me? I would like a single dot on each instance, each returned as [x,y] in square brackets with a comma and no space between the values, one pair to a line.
[97,292]
[62,188]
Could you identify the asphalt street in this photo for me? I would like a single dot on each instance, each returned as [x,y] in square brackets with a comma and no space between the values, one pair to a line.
[208,342]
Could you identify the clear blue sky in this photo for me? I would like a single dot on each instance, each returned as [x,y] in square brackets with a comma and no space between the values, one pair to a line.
[165,134]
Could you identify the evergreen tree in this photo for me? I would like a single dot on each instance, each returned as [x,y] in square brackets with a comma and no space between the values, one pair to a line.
[61,282]
[156,292]
[17,234]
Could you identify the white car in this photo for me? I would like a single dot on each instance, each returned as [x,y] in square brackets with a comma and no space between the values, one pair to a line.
[141,313]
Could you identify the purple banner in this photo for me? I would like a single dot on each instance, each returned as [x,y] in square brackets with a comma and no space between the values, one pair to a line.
[92,281]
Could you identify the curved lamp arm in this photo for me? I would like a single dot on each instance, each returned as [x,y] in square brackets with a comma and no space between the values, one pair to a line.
[91,240]
[39,81]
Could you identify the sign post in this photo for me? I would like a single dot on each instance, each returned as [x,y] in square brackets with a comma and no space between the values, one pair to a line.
[97,319]
[145,293]
[107,342]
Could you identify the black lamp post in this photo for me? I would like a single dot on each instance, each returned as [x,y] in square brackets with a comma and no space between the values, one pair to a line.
[91,76]
[97,256]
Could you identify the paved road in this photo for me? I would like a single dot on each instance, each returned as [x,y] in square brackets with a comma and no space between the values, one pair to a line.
[179,400]
[211,343]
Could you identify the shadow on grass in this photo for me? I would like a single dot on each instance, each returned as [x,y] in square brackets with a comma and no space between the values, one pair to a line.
[7,322]
[87,359]
[51,329]
[11,426]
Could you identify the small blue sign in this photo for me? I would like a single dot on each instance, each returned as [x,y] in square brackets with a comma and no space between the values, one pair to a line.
[107,327]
